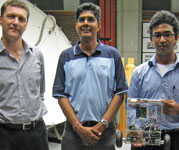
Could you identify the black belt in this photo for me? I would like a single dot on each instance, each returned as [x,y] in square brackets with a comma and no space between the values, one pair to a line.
[89,123]
[170,131]
[24,126]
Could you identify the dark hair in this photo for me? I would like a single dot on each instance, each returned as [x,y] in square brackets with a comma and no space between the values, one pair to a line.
[164,16]
[14,3]
[88,7]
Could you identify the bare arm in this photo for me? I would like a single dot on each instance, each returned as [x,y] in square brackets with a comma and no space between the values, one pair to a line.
[111,111]
[68,111]
[89,135]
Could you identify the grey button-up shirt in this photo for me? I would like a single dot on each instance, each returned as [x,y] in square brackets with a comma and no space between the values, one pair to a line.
[22,86]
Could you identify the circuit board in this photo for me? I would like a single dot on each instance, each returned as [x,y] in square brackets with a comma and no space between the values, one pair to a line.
[144,117]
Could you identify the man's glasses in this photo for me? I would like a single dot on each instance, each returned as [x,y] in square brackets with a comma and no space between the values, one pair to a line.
[165,35]
[89,19]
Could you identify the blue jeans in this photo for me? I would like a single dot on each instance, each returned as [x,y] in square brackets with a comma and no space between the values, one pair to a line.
[18,139]
[72,141]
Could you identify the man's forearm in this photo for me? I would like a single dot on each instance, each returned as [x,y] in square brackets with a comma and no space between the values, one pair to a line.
[113,107]
[68,111]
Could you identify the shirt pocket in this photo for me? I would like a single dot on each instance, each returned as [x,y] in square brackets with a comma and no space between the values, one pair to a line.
[175,93]
[105,68]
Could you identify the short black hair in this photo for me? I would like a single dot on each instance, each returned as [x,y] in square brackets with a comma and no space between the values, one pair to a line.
[15,3]
[88,7]
[164,16]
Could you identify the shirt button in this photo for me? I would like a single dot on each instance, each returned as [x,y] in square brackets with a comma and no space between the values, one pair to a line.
[22,110]
[21,96]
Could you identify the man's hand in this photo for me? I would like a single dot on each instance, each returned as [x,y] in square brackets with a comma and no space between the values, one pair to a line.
[99,127]
[89,135]
[170,107]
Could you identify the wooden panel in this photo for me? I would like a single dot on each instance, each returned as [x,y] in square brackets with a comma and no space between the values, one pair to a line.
[108,22]
[102,35]
[113,21]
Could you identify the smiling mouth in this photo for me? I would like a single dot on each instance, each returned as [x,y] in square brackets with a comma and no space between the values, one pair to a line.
[14,29]
[86,30]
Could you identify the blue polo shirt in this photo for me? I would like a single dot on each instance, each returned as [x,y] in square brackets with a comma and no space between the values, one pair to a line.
[90,82]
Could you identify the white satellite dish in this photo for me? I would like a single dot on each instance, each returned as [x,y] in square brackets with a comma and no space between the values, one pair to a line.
[43,32]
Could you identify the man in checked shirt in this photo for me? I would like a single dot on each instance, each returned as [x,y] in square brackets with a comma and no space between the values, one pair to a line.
[21,84]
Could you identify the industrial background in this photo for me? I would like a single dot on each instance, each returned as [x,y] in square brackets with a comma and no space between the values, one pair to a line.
[122,22]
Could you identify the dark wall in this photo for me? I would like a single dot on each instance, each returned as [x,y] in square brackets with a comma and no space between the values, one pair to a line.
[49,4]
[156,4]
[92,1]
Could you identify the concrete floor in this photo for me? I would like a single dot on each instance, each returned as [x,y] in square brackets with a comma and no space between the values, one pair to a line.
[55,146]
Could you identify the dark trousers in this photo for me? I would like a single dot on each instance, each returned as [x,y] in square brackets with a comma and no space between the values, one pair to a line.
[173,146]
[18,139]
[71,140]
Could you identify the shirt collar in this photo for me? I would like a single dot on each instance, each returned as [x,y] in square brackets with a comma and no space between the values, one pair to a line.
[153,61]
[27,48]
[77,50]
[2,47]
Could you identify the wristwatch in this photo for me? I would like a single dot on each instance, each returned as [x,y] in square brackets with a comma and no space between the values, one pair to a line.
[104,123]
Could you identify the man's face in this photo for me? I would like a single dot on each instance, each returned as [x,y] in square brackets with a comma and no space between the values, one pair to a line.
[13,22]
[87,25]
[163,39]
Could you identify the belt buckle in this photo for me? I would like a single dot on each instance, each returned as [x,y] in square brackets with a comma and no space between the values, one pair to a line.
[27,125]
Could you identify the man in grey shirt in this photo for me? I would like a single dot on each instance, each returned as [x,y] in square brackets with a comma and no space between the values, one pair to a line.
[21,84]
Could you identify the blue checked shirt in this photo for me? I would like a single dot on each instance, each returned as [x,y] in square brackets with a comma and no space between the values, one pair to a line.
[22,86]
[146,82]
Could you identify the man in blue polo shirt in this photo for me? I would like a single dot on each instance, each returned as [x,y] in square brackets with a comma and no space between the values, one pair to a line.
[90,84]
